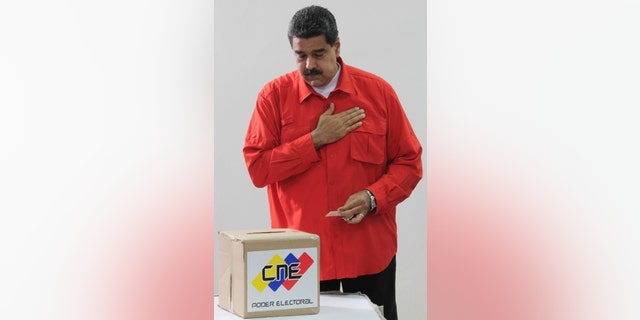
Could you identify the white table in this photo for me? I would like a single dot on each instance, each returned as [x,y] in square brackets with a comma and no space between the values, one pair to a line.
[332,307]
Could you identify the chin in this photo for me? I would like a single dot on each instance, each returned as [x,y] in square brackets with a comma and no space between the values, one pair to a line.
[317,83]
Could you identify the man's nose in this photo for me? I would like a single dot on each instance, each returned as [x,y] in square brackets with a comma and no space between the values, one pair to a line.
[311,63]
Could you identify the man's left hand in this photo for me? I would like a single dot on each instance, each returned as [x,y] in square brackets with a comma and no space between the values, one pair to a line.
[356,208]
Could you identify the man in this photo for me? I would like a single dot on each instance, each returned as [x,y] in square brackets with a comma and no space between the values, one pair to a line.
[331,137]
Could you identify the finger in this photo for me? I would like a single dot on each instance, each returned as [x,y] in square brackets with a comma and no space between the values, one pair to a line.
[330,110]
[353,112]
[349,208]
[356,218]
[348,218]
[347,114]
[348,214]
[355,117]
[354,126]
[349,126]
[355,204]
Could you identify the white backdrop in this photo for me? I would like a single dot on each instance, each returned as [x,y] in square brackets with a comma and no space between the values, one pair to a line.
[251,48]
[533,159]
[106,152]
[106,138]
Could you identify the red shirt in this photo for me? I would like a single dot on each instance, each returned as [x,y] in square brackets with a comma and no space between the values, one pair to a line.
[304,184]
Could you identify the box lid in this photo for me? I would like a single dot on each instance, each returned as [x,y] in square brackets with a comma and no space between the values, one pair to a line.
[271,234]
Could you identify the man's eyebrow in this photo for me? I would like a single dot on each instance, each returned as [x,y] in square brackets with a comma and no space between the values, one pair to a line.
[321,50]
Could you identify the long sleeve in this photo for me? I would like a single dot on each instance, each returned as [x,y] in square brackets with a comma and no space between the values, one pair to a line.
[404,168]
[275,151]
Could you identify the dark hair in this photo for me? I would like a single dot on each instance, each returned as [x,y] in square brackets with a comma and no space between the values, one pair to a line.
[313,21]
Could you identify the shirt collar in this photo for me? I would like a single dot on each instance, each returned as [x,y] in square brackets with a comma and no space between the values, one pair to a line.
[328,88]
[345,83]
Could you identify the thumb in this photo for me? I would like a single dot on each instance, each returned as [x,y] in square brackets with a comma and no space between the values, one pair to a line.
[330,110]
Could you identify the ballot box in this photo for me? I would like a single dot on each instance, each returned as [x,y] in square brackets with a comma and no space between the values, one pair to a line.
[268,272]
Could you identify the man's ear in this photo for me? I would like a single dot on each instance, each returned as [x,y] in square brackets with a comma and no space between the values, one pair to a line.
[336,47]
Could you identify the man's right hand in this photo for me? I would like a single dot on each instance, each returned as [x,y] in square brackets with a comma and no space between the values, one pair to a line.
[333,127]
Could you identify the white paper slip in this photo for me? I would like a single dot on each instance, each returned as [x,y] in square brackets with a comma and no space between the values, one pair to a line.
[334,213]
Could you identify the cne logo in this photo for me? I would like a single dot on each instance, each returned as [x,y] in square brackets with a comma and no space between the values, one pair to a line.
[282,272]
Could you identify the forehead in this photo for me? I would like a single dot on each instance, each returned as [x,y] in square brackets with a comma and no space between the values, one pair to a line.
[309,44]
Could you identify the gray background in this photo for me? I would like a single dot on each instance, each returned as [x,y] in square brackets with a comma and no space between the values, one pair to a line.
[251,48]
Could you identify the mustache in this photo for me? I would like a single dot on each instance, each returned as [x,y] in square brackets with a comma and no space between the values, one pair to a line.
[312,72]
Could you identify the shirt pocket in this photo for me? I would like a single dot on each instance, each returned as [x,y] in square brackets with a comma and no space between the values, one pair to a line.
[369,145]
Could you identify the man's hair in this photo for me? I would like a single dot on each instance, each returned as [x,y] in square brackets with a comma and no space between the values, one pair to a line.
[313,21]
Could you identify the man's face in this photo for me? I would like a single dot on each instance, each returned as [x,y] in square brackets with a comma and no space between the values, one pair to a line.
[317,60]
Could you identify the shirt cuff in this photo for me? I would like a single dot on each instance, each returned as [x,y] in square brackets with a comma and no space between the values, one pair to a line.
[378,192]
[304,147]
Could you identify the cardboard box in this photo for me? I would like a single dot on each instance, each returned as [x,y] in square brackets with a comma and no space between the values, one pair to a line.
[269,272]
